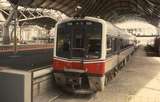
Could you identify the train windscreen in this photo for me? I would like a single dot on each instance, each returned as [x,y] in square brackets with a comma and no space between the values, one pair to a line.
[79,39]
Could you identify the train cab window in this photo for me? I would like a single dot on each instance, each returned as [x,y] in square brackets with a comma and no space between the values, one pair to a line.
[79,39]
[94,48]
[93,40]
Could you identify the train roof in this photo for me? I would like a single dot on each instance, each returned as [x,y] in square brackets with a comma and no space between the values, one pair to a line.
[117,32]
[78,18]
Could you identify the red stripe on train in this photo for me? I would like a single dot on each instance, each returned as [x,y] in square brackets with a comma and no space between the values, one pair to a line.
[91,68]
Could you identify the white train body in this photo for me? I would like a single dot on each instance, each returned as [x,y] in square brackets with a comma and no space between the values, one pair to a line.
[89,51]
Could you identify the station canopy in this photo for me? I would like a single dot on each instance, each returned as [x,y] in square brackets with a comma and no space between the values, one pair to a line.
[30,17]
[106,9]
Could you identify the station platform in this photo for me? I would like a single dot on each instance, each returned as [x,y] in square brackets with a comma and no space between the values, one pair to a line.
[27,57]
[139,81]
[25,85]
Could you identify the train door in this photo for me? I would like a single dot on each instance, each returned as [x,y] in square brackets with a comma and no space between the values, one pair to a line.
[78,44]
[112,58]
[116,50]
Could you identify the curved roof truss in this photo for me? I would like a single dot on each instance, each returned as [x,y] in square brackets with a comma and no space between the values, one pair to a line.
[147,9]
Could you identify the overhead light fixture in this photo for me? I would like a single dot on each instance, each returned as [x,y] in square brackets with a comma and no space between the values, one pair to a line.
[79,7]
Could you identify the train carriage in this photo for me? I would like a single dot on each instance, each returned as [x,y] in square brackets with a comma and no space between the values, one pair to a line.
[88,52]
[157,45]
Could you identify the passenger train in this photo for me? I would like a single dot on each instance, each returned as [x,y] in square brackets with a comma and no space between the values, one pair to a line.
[157,45]
[88,52]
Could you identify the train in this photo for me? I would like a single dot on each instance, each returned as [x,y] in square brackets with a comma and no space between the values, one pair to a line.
[157,45]
[1,33]
[88,52]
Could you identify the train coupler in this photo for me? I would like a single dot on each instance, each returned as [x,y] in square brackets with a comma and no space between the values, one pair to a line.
[74,83]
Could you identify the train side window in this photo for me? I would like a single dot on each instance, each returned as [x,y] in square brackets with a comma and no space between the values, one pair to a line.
[124,43]
[121,44]
[109,45]
[117,44]
[114,45]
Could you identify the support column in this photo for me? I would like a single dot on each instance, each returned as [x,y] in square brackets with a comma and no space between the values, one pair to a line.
[15,31]
[158,30]
[6,37]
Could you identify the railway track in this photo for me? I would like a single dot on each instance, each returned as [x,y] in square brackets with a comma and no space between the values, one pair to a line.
[26,60]
[54,98]
[65,97]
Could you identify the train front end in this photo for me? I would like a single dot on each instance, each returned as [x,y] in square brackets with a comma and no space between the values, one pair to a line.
[78,62]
